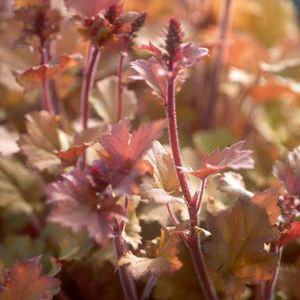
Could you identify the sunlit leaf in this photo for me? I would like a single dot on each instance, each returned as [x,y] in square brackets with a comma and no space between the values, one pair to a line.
[164,186]
[164,258]
[105,100]
[233,157]
[33,77]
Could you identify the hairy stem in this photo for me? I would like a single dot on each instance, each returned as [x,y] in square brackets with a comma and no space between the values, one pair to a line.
[193,243]
[127,282]
[271,284]
[218,65]
[149,287]
[123,56]
[88,80]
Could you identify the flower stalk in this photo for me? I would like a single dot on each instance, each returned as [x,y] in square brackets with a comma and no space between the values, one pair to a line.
[193,242]
[218,65]
[93,57]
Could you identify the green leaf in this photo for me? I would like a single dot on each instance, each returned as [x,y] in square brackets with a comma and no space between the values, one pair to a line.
[20,187]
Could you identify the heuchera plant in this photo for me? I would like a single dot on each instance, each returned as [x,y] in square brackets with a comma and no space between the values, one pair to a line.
[100,182]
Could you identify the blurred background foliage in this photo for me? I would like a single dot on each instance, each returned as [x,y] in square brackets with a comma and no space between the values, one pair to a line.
[258,100]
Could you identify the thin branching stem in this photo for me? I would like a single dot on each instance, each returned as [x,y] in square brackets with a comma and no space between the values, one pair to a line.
[92,60]
[123,55]
[126,279]
[271,284]
[149,287]
[171,214]
[218,64]
[194,243]
[201,195]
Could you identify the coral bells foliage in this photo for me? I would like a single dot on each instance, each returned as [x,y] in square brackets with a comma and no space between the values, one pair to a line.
[167,61]
[233,157]
[90,199]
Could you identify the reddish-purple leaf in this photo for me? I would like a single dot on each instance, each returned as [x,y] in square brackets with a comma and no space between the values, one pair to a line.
[288,172]
[122,150]
[192,54]
[153,73]
[293,233]
[90,8]
[26,282]
[78,202]
[233,157]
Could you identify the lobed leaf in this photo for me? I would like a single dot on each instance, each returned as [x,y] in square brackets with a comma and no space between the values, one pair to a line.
[20,188]
[232,157]
[235,252]
[25,281]
[78,203]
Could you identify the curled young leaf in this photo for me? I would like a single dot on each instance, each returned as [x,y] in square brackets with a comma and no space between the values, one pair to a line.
[288,172]
[25,281]
[233,157]
[79,203]
[164,186]
[154,74]
[163,258]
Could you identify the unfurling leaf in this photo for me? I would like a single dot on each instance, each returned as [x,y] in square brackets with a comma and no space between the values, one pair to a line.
[105,100]
[233,157]
[235,251]
[33,77]
[89,8]
[288,172]
[153,74]
[79,203]
[25,281]
[164,186]
[20,188]
[162,258]
[291,234]
[191,54]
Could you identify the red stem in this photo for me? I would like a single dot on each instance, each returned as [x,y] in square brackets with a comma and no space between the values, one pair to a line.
[88,80]
[47,101]
[218,65]
[271,284]
[123,55]
[171,214]
[126,279]
[194,243]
